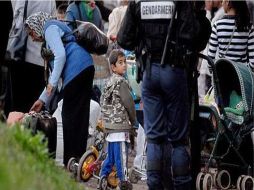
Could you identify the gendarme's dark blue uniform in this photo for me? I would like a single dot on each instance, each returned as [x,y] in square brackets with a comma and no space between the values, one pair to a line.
[164,94]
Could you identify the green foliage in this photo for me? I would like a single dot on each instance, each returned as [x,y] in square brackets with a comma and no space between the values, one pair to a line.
[25,165]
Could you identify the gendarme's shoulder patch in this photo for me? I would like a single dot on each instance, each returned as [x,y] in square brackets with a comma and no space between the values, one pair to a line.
[157,10]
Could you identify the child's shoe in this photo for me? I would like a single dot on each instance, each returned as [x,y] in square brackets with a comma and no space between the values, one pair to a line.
[103,183]
[125,185]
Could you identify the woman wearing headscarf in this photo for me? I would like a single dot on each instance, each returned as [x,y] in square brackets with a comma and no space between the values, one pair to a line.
[75,66]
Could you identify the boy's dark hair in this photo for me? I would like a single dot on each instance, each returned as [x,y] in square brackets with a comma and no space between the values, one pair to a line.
[114,54]
[61,9]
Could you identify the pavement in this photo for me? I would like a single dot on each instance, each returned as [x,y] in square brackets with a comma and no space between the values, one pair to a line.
[92,183]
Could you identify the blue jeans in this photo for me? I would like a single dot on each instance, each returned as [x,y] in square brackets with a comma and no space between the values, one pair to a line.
[166,116]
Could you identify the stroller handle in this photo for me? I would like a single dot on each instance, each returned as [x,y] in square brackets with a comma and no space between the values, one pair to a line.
[208,59]
[216,84]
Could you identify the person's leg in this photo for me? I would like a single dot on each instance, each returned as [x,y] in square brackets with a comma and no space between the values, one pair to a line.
[177,111]
[121,163]
[59,148]
[159,166]
[108,163]
[4,69]
[155,129]
[27,83]
[75,114]
[121,160]
[181,167]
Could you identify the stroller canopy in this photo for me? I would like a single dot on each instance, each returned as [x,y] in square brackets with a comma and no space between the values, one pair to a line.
[236,77]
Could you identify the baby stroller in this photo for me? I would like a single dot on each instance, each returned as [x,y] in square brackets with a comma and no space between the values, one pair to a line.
[227,148]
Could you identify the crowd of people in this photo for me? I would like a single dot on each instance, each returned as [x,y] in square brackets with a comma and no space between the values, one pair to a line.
[219,28]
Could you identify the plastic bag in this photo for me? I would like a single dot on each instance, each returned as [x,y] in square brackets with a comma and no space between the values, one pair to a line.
[91,38]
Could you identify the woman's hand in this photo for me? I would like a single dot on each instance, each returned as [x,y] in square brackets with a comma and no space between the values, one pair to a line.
[37,106]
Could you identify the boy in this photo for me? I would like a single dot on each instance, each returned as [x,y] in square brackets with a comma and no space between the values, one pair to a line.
[61,10]
[118,115]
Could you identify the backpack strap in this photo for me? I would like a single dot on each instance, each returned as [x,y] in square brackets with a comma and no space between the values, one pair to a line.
[47,54]
[67,31]
[169,33]
[58,23]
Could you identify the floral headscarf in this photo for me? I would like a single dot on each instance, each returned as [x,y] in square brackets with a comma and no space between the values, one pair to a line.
[36,22]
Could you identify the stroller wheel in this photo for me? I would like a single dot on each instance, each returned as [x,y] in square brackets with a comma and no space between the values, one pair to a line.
[247,183]
[239,181]
[72,165]
[223,179]
[199,181]
[207,182]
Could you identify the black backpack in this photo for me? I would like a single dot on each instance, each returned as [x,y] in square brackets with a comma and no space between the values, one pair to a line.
[91,38]
[87,36]
[189,32]
[192,28]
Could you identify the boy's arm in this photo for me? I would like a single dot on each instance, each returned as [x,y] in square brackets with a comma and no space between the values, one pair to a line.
[128,102]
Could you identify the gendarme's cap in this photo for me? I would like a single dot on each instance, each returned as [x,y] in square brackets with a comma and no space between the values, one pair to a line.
[236,104]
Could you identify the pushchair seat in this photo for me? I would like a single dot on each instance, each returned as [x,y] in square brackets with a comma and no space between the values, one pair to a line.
[237,119]
[237,90]
[235,111]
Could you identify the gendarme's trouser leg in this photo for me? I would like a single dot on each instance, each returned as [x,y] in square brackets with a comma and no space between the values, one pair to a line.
[159,166]
[166,112]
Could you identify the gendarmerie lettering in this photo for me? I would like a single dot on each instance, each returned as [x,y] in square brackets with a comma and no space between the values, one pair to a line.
[157,9]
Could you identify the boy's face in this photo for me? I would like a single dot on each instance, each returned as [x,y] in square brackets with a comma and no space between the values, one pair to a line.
[121,66]
[60,16]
